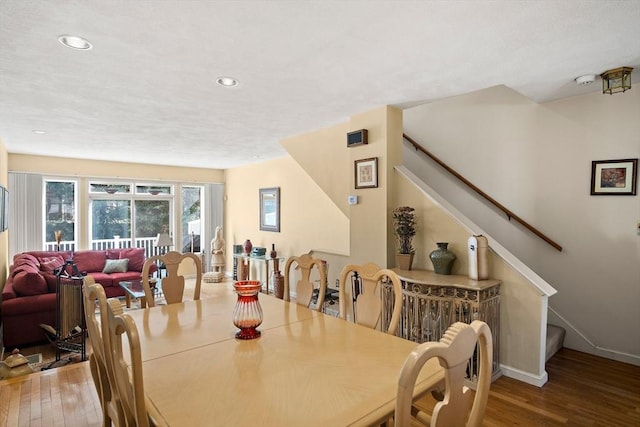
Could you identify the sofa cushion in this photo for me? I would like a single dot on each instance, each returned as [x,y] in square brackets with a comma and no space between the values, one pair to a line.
[134,255]
[106,280]
[47,254]
[52,281]
[27,283]
[116,265]
[90,261]
[22,259]
[50,264]
[26,267]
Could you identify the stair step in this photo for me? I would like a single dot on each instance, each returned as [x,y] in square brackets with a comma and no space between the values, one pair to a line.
[555,340]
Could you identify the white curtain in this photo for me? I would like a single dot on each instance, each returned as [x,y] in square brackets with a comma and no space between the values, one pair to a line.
[25,213]
[213,217]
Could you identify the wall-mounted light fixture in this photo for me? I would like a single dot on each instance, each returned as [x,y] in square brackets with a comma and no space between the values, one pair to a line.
[616,80]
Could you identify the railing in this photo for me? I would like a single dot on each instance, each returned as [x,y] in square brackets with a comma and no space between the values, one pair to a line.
[148,243]
[510,215]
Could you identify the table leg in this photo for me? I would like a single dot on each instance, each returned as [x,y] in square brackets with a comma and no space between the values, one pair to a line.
[143,302]
[266,279]
[127,299]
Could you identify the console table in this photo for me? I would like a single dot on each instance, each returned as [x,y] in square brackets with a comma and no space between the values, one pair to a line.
[263,263]
[432,302]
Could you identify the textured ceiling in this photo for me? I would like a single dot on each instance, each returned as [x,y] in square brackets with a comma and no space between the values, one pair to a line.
[146,92]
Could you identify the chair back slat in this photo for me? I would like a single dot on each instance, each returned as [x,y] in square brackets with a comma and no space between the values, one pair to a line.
[173,283]
[459,407]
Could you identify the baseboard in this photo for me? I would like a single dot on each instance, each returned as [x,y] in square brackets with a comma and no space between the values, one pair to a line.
[526,377]
[632,359]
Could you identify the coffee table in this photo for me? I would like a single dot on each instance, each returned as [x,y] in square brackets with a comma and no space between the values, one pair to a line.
[133,289]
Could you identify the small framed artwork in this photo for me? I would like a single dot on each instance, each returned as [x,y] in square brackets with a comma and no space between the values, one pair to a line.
[270,209]
[366,173]
[614,177]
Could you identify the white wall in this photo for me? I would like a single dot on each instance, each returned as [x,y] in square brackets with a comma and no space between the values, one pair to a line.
[536,160]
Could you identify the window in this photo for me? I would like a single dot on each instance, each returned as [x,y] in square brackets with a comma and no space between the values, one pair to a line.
[60,214]
[110,223]
[127,215]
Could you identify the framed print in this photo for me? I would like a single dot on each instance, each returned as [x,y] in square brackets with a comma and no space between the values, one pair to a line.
[270,209]
[366,171]
[614,177]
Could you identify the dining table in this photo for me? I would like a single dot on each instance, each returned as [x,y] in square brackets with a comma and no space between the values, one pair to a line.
[306,369]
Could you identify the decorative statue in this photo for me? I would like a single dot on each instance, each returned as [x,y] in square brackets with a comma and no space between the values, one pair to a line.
[217,256]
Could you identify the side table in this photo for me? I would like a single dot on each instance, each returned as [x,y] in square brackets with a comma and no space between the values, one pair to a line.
[263,265]
[133,289]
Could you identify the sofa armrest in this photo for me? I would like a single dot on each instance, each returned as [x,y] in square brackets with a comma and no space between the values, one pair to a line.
[8,292]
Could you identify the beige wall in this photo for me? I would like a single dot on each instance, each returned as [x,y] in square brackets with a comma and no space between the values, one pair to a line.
[315,181]
[62,166]
[536,160]
[520,302]
[4,240]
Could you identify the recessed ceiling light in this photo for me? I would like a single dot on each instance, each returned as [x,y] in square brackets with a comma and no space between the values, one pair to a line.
[39,132]
[75,42]
[227,81]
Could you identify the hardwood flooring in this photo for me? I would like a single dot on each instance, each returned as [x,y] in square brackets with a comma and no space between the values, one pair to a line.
[583,390]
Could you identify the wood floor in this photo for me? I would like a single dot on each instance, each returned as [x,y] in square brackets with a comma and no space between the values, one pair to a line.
[583,390]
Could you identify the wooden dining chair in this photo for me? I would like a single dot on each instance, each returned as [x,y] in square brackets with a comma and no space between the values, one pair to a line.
[173,282]
[93,293]
[304,287]
[129,385]
[368,306]
[453,352]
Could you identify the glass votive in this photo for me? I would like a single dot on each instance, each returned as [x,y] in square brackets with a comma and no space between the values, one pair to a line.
[247,314]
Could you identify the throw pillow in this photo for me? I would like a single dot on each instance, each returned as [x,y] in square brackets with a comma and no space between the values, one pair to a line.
[135,257]
[27,284]
[116,266]
[22,259]
[90,261]
[49,264]
[28,268]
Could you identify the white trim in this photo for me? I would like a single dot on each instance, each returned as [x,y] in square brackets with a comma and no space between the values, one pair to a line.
[593,348]
[538,282]
[527,377]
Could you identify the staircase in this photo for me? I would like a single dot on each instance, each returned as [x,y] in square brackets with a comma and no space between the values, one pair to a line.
[555,340]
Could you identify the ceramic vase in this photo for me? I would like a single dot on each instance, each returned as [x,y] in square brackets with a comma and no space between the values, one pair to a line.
[442,259]
[247,246]
[278,284]
[273,253]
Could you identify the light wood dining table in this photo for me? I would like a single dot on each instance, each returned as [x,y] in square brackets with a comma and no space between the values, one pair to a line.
[307,368]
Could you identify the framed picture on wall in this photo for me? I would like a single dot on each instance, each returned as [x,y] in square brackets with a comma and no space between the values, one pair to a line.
[614,177]
[366,173]
[270,209]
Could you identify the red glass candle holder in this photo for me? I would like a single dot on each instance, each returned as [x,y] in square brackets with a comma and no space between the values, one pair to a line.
[247,314]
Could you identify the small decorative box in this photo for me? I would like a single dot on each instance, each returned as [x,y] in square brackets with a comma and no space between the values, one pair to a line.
[257,251]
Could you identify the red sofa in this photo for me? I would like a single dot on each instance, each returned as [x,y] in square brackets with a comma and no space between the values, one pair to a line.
[29,295]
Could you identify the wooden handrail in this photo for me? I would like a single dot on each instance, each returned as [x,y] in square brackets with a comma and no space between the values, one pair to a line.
[510,215]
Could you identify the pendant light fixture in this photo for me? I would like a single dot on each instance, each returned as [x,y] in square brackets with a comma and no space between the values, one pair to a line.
[616,80]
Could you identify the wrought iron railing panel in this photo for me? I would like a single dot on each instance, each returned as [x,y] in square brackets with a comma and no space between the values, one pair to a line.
[428,309]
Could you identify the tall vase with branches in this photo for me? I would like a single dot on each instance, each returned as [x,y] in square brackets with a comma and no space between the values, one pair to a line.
[404,226]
